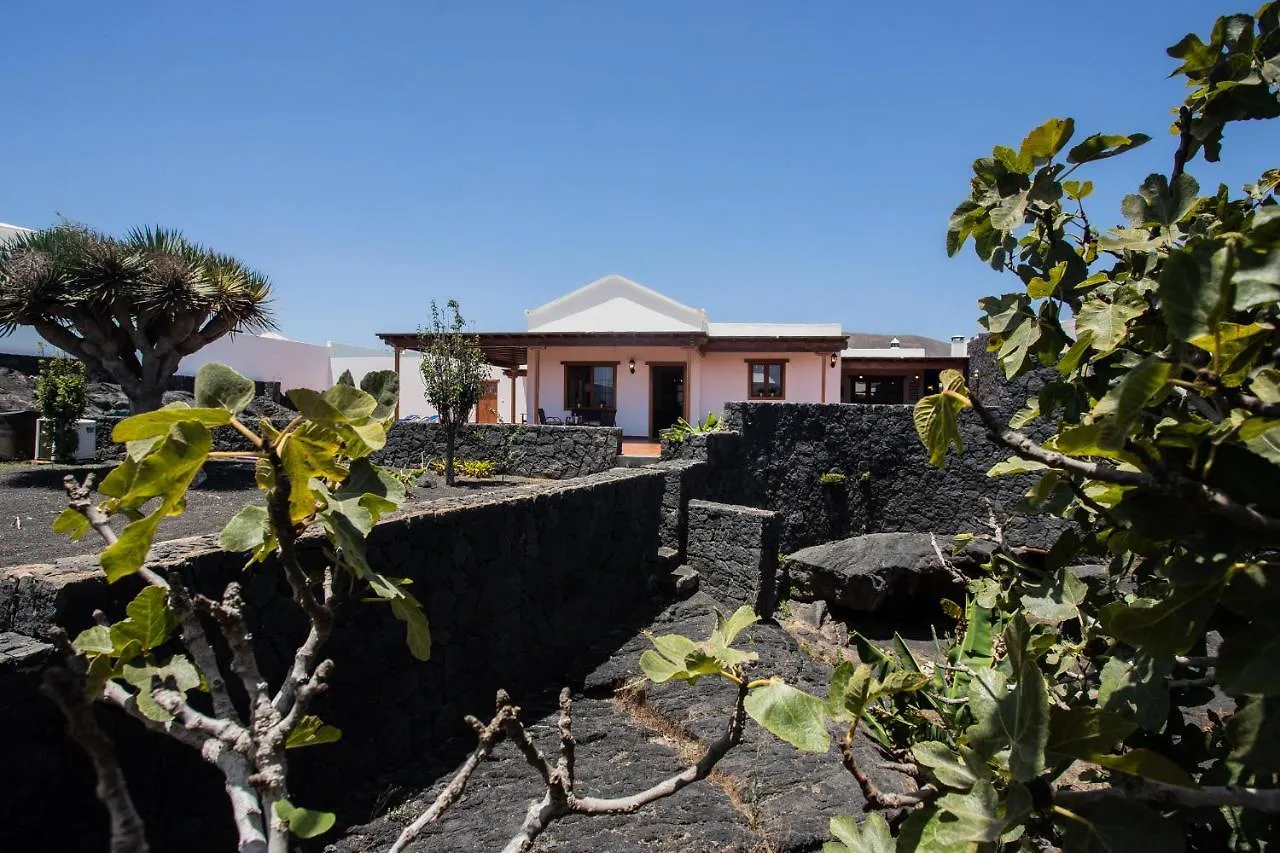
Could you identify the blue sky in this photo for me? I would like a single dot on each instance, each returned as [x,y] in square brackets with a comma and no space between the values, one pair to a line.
[784,161]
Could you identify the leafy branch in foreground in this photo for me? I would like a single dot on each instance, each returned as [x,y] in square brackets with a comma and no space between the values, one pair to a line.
[158,664]
[1155,436]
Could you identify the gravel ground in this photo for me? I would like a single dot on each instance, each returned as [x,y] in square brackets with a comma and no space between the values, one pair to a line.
[31,496]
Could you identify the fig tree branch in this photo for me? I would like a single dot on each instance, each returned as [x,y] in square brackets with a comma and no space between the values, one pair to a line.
[490,735]
[65,685]
[877,799]
[1173,485]
[1266,800]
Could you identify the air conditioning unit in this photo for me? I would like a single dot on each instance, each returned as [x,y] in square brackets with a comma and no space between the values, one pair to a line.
[86,440]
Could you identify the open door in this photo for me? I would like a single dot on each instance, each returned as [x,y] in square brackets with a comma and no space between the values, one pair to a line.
[667,396]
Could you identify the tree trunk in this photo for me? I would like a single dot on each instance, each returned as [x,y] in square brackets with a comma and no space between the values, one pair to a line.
[146,398]
[450,434]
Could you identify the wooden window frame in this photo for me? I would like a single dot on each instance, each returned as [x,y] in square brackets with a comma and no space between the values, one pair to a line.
[782,377]
[565,365]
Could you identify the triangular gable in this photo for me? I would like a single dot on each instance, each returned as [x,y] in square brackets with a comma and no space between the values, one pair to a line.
[615,304]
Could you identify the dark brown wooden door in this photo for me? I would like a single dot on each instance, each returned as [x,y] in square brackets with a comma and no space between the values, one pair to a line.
[487,408]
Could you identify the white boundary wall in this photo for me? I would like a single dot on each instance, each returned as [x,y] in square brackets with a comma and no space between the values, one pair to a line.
[295,364]
[413,400]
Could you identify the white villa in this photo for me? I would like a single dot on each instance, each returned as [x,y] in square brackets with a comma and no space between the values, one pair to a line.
[615,352]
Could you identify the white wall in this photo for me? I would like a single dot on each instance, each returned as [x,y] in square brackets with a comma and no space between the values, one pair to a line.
[299,365]
[632,391]
[715,379]
[291,363]
[413,393]
[413,398]
[615,304]
[721,377]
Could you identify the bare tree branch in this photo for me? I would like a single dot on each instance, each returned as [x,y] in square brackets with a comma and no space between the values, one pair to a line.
[65,685]
[877,799]
[197,643]
[304,659]
[516,733]
[567,743]
[1266,800]
[731,737]
[80,499]
[557,802]
[490,735]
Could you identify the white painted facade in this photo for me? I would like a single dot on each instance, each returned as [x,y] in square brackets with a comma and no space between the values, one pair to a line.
[294,364]
[715,378]
[721,377]
[266,358]
[716,358]
[413,398]
[615,304]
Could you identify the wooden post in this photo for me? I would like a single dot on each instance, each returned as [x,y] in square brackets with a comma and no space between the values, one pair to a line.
[688,384]
[397,369]
[513,373]
[535,371]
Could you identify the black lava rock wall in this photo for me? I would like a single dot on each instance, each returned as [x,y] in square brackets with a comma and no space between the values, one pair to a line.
[735,552]
[521,588]
[552,452]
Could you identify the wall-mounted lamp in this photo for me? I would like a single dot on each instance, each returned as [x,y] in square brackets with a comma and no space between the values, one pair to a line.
[835,356]
[631,364]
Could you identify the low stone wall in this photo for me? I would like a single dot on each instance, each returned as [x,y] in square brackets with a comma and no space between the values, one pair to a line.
[774,455]
[720,450]
[225,438]
[545,452]
[520,588]
[888,485]
[553,452]
[685,479]
[735,552]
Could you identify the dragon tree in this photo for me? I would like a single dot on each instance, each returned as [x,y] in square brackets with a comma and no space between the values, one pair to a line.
[133,306]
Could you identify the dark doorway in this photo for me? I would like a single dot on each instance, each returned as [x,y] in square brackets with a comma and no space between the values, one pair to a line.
[872,389]
[666,396]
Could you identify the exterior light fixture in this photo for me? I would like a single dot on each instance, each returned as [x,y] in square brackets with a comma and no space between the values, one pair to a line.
[834,357]
[631,364]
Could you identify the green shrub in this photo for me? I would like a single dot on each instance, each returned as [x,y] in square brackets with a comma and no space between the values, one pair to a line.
[61,397]
[832,478]
[408,477]
[477,469]
[682,429]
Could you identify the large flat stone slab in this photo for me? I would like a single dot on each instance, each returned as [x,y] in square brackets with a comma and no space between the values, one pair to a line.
[877,571]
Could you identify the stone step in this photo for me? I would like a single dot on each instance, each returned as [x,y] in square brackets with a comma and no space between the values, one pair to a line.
[624,461]
[668,558]
[683,581]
